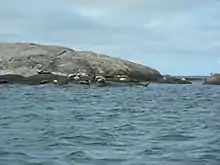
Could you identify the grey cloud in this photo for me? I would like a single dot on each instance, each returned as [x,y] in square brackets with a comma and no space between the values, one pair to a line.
[68,21]
[130,29]
[150,5]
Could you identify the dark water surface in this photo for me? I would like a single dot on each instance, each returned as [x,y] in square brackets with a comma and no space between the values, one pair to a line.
[160,124]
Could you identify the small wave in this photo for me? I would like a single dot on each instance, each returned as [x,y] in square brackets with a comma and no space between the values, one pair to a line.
[95,159]
[62,144]
[108,135]
[110,160]
[77,155]
[191,105]
[48,131]
[125,127]
[88,140]
[97,143]
[121,144]
[112,116]
[50,108]
[150,152]
[79,116]
[8,117]
[5,124]
[3,98]
[13,154]
[77,137]
[26,107]
[31,115]
[171,99]
[175,137]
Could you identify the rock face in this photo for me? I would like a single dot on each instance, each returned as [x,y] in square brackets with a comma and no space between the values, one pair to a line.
[212,80]
[25,59]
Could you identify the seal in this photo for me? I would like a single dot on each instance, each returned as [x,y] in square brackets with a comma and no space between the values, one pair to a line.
[55,81]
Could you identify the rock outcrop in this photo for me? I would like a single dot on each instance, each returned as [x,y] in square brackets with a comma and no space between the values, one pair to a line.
[27,59]
[212,80]
[168,79]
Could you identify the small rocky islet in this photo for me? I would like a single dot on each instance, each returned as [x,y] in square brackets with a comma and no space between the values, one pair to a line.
[213,79]
[35,64]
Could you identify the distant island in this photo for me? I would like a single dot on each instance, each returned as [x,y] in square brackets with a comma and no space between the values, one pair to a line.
[30,63]
[213,79]
[194,78]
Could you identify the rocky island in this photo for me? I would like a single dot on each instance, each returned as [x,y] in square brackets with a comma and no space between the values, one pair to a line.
[214,79]
[30,63]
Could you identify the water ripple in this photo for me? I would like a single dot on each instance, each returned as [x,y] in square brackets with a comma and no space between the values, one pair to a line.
[161,124]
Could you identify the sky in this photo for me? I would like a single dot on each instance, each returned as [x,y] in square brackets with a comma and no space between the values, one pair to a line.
[178,37]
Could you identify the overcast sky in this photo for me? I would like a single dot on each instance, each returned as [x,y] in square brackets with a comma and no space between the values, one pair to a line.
[180,37]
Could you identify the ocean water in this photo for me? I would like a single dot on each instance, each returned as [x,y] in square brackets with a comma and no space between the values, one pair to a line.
[67,125]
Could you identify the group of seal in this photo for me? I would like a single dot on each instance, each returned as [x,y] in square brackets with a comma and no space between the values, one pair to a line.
[78,77]
[81,77]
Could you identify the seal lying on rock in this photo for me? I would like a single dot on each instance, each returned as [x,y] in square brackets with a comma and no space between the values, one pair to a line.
[101,80]
[143,83]
[55,81]
[44,82]
[84,82]
[43,72]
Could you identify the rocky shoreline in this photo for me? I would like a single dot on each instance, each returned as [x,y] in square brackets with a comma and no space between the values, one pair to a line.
[35,64]
[49,78]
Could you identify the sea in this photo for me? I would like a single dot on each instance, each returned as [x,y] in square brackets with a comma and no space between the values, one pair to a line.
[162,124]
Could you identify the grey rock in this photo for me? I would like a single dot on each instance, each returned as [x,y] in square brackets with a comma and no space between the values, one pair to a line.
[212,80]
[45,79]
[26,59]
[12,79]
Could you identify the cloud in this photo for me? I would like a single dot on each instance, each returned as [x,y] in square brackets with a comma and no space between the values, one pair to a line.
[163,34]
